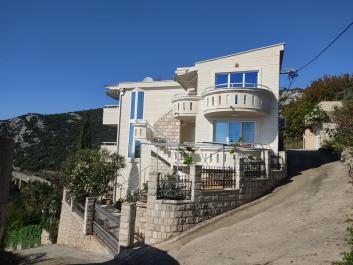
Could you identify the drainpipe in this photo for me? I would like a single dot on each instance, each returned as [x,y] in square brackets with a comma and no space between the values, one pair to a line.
[121,94]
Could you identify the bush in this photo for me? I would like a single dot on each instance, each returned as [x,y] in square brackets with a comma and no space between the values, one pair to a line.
[87,173]
[28,236]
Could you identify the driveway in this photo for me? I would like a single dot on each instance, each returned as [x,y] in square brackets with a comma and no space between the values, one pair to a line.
[301,222]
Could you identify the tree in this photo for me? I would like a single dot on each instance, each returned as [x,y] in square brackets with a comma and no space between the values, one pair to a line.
[85,140]
[87,173]
[324,89]
[344,131]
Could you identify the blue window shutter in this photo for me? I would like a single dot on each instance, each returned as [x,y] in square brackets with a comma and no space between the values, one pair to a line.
[140,104]
[132,107]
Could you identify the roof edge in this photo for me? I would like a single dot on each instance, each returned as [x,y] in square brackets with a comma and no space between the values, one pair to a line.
[238,53]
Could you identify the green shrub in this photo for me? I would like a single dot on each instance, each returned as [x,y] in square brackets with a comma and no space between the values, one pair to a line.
[28,236]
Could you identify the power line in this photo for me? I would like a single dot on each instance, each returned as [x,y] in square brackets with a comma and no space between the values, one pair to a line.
[293,73]
[320,53]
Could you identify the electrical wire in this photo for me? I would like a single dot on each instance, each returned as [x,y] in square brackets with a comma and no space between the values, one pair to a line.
[330,44]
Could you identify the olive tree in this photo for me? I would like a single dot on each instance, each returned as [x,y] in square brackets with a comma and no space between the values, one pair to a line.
[87,172]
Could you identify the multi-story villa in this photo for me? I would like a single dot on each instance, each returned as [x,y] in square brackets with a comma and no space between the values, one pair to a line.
[212,106]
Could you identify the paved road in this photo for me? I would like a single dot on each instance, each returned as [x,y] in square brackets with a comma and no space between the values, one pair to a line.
[60,255]
[301,222]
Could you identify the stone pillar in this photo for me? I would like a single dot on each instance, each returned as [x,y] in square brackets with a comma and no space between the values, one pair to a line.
[150,210]
[266,156]
[127,225]
[195,178]
[239,170]
[283,160]
[152,186]
[88,217]
[6,155]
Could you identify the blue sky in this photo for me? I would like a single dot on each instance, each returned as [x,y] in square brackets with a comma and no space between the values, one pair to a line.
[56,56]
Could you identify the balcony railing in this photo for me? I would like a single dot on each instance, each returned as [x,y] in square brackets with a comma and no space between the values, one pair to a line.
[236,98]
[185,106]
[110,115]
[109,146]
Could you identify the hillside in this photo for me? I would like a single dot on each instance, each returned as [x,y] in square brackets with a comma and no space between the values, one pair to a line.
[44,141]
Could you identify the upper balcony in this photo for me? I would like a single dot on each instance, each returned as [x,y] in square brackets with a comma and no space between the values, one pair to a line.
[185,106]
[110,115]
[111,147]
[236,99]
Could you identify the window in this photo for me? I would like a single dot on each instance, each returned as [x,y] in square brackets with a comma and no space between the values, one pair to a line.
[137,149]
[136,107]
[222,80]
[237,79]
[136,113]
[234,131]
[131,139]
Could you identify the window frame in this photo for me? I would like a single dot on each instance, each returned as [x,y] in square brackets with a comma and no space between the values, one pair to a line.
[229,78]
[228,129]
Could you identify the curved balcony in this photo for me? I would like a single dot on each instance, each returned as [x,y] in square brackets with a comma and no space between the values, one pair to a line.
[237,99]
[185,106]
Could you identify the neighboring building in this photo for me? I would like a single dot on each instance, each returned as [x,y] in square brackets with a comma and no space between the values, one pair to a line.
[225,100]
[318,129]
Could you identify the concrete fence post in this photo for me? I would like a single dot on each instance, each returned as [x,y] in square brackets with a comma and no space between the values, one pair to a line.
[88,217]
[127,225]
[239,170]
[265,155]
[283,160]
[152,185]
[195,178]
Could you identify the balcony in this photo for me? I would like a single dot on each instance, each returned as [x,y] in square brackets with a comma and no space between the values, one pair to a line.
[236,100]
[111,147]
[185,106]
[110,115]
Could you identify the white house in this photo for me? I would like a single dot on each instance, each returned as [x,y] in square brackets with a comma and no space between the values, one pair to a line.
[209,106]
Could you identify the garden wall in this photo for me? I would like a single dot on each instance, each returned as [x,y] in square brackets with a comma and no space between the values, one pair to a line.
[166,218]
[71,231]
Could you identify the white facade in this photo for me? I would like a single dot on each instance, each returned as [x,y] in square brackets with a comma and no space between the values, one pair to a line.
[198,108]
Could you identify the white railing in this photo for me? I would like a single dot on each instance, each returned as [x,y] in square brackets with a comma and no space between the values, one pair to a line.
[235,86]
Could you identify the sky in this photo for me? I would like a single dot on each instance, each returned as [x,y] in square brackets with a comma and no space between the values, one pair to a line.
[56,56]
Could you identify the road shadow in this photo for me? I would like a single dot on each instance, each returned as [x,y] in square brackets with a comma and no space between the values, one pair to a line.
[143,255]
[301,160]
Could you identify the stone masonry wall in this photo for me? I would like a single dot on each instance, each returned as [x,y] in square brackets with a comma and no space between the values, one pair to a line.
[169,127]
[166,218]
[71,230]
[140,223]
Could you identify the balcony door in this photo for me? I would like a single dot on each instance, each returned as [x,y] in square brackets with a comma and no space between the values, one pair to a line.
[234,132]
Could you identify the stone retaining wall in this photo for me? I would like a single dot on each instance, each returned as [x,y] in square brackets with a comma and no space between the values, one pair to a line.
[166,218]
[71,231]
[140,224]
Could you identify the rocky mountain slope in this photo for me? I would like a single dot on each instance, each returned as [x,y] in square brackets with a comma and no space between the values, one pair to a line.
[44,141]
[288,96]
